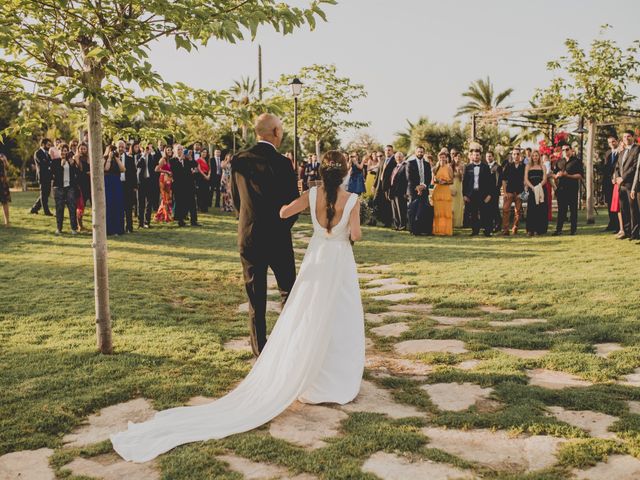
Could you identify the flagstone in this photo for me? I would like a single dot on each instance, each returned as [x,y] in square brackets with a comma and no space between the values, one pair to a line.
[260,471]
[391,329]
[109,420]
[559,331]
[517,322]
[617,467]
[111,467]
[456,397]
[395,297]
[199,400]
[368,276]
[496,449]
[398,366]
[412,307]
[468,364]
[380,317]
[239,345]
[272,306]
[379,268]
[452,321]
[27,465]
[595,423]
[524,354]
[494,309]
[390,466]
[605,349]
[390,287]
[383,281]
[300,251]
[555,380]
[307,425]
[631,379]
[634,406]
[410,347]
[378,400]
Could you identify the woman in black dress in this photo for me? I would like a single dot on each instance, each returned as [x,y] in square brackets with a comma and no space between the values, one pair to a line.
[537,214]
[5,194]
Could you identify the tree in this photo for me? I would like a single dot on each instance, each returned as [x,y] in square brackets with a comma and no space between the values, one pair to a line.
[593,86]
[324,105]
[482,98]
[431,135]
[363,143]
[89,54]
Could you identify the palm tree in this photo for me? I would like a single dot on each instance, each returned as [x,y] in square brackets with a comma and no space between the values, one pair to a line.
[244,95]
[482,98]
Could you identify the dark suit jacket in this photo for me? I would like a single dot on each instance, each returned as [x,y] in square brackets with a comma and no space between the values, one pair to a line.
[485,181]
[496,176]
[183,177]
[262,181]
[628,170]
[400,182]
[58,173]
[413,177]
[140,167]
[43,165]
[385,181]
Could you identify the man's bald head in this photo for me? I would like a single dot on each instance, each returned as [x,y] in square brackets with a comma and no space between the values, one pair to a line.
[269,128]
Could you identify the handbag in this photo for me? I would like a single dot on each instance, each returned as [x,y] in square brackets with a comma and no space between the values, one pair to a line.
[524,196]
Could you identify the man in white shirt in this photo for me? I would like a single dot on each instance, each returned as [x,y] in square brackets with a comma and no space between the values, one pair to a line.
[216,175]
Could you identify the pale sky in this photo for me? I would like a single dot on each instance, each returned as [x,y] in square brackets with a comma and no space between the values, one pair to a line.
[414,57]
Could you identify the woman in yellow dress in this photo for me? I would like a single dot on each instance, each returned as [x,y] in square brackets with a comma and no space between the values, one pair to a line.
[442,201]
[457,165]
[372,161]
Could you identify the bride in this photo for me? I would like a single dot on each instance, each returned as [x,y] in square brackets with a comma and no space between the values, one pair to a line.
[315,353]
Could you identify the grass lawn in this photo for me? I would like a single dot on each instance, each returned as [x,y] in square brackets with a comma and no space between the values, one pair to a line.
[174,298]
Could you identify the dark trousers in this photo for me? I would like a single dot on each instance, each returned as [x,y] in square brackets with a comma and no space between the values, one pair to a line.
[567,200]
[203,195]
[215,190]
[129,202]
[495,214]
[65,197]
[383,209]
[630,213]
[145,199]
[43,199]
[399,212]
[254,269]
[613,217]
[185,203]
[480,213]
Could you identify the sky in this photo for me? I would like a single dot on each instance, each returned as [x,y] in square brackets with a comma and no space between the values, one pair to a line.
[414,57]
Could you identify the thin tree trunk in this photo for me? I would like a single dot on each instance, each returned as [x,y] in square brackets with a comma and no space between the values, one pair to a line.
[98,208]
[318,148]
[591,216]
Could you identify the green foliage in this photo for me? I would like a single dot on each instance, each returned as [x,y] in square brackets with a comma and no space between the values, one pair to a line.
[482,98]
[325,103]
[588,452]
[363,143]
[592,84]
[431,135]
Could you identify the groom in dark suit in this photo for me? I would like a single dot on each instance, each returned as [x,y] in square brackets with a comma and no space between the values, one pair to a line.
[477,187]
[262,181]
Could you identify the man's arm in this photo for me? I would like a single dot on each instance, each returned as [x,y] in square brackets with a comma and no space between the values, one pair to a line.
[235,194]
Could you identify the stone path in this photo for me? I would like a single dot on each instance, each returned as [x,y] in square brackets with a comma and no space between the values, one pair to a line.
[311,427]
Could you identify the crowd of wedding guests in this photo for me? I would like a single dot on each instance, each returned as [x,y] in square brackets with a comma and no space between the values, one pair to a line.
[163,183]
[425,194]
[430,194]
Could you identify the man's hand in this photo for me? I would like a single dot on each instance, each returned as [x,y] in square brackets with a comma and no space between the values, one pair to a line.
[633,195]
[487,199]
[467,199]
[619,180]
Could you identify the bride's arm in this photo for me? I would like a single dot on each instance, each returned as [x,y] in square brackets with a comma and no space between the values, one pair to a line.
[354,223]
[298,205]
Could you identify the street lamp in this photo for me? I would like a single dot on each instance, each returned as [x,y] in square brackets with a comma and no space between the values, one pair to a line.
[581,131]
[234,129]
[296,88]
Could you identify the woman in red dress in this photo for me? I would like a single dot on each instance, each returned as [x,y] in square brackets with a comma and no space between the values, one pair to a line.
[166,198]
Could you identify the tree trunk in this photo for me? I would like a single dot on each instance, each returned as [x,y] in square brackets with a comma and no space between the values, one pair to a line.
[98,208]
[591,217]
[318,148]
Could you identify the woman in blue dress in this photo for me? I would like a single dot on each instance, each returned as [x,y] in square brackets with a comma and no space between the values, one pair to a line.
[356,178]
[113,192]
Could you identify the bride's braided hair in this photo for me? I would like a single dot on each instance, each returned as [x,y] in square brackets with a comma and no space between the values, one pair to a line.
[333,169]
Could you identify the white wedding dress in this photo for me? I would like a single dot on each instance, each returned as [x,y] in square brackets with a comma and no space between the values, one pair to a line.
[315,354]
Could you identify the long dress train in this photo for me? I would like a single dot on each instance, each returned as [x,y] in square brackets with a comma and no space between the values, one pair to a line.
[315,354]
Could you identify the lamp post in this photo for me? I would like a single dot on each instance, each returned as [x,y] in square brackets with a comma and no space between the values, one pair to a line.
[234,129]
[296,88]
[581,131]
